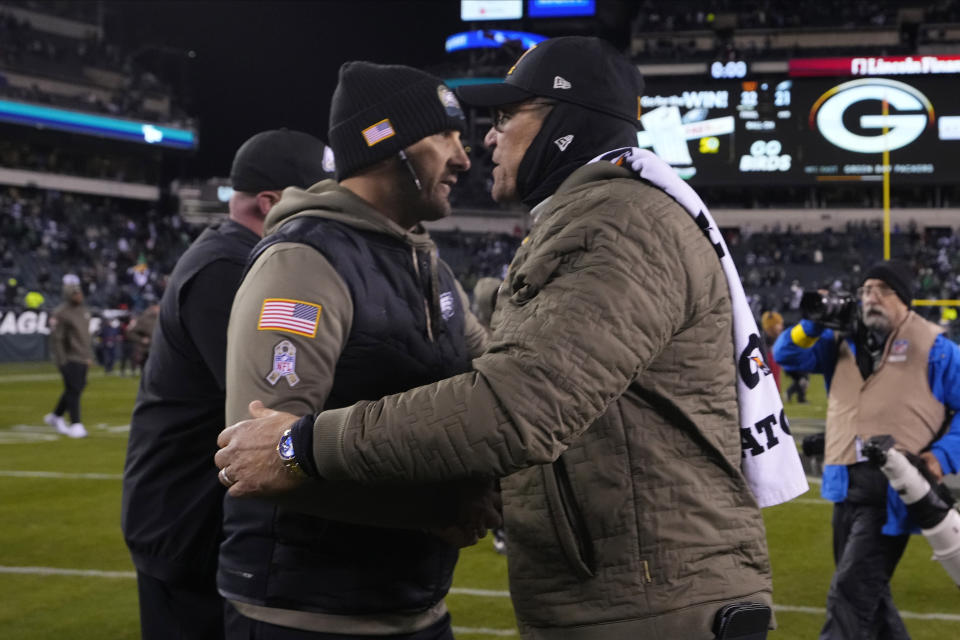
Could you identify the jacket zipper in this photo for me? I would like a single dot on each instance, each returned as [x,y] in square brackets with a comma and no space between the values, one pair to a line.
[426,303]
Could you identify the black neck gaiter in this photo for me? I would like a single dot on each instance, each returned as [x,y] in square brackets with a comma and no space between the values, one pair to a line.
[570,137]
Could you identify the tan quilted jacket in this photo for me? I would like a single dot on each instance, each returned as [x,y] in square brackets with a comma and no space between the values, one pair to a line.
[607,397]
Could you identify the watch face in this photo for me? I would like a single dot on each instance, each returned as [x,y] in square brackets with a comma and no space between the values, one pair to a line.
[285,447]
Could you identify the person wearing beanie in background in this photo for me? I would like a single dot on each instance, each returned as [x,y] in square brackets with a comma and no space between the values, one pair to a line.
[772,324]
[140,333]
[72,350]
[345,299]
[172,504]
[608,402]
[893,374]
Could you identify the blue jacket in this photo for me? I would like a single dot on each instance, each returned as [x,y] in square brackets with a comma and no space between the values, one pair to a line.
[943,373]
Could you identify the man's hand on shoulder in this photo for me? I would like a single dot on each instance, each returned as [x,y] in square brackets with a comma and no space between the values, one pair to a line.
[248,459]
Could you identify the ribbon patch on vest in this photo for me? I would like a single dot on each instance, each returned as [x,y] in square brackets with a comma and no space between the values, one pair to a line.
[284,364]
[898,351]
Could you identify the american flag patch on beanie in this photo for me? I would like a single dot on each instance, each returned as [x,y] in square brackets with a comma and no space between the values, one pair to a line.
[378,132]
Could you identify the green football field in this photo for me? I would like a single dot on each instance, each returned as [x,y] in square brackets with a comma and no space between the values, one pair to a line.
[65,572]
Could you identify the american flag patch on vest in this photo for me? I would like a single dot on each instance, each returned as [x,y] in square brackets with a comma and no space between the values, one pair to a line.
[292,316]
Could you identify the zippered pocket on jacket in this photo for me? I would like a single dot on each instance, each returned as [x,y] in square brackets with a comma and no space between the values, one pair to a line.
[568,522]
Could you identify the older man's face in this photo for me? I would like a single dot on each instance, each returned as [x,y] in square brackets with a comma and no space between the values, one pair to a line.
[514,128]
[882,309]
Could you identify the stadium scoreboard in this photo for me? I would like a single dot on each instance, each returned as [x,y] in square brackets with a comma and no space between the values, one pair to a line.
[825,120]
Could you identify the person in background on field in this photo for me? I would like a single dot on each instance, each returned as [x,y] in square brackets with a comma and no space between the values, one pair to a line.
[111,336]
[72,351]
[772,324]
[799,381]
[140,335]
[895,374]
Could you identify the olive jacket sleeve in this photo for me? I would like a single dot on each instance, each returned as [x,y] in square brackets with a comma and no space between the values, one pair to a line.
[592,297]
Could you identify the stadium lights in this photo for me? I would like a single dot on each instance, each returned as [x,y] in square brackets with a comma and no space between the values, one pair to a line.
[491,39]
[90,124]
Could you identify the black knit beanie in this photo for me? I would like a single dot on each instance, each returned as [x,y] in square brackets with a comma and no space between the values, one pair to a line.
[897,275]
[378,110]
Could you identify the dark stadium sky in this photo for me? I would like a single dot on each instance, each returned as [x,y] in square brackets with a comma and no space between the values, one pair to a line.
[262,65]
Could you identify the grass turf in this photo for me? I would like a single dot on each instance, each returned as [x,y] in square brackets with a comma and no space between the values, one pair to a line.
[73,523]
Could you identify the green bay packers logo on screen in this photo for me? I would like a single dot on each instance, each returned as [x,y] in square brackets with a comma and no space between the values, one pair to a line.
[850,115]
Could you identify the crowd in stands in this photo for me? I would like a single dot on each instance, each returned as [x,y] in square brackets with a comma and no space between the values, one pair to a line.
[121,249]
[61,159]
[86,12]
[20,41]
[778,264]
[661,26]
[128,103]
[477,255]
[695,15]
[687,15]
[35,53]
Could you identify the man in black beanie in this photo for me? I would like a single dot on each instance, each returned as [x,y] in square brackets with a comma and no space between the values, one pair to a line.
[172,509]
[345,299]
[894,374]
[607,403]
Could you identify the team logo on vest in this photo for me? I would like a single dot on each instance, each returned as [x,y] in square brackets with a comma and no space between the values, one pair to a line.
[561,83]
[284,364]
[564,142]
[329,164]
[898,351]
[447,310]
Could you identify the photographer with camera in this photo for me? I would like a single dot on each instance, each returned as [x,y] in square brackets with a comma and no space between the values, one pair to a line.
[887,371]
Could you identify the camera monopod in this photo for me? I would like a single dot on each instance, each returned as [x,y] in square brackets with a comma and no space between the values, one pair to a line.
[930,507]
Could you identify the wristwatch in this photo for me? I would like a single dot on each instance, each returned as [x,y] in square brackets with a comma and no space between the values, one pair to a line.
[288,455]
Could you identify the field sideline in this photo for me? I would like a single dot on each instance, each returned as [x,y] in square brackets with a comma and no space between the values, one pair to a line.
[65,572]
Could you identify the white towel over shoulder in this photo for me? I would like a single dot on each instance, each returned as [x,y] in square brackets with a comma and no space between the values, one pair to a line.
[771,463]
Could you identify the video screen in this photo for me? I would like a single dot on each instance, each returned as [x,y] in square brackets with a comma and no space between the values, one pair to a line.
[472,10]
[778,130]
[726,132]
[847,124]
[560,8]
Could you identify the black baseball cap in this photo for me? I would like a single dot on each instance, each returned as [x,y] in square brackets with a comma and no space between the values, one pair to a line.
[582,70]
[280,158]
